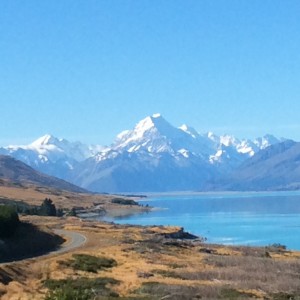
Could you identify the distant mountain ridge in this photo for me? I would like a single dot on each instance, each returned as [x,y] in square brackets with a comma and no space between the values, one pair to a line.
[277,167]
[18,172]
[51,155]
[153,156]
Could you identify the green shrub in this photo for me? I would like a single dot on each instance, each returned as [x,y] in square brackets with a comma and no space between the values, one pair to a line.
[229,293]
[89,263]
[285,296]
[72,212]
[9,221]
[79,289]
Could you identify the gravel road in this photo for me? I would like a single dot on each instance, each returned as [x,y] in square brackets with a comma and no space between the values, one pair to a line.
[76,240]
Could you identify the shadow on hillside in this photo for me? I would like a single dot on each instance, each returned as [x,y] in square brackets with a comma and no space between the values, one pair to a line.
[28,241]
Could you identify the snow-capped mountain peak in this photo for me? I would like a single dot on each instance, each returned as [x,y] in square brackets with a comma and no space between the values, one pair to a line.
[46,139]
[156,121]
[53,152]
[147,123]
[154,134]
[150,134]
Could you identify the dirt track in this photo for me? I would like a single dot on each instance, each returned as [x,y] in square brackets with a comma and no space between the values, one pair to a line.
[76,240]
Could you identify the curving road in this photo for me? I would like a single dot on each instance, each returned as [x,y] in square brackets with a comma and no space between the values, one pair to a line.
[76,240]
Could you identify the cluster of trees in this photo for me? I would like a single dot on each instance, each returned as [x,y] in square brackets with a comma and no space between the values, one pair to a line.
[124,201]
[9,210]
[47,208]
[9,218]
[9,221]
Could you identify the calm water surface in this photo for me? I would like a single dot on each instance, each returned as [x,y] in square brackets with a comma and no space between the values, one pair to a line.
[231,218]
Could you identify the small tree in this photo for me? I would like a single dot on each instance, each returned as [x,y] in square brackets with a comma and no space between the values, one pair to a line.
[59,212]
[48,208]
[72,212]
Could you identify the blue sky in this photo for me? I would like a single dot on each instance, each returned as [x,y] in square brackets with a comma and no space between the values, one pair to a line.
[88,69]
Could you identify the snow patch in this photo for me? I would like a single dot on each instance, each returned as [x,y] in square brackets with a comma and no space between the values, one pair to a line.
[189,130]
[157,115]
[184,153]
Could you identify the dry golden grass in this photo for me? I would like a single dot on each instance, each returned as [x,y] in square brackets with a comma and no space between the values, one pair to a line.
[143,264]
[147,264]
[35,195]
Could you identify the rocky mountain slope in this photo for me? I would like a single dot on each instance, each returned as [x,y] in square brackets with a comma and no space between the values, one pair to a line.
[17,172]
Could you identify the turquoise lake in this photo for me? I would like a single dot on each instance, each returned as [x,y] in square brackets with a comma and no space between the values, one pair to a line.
[228,218]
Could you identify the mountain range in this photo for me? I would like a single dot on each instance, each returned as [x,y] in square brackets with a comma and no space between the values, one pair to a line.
[155,156]
[275,168]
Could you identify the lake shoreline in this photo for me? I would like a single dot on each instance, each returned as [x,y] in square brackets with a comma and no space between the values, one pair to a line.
[249,219]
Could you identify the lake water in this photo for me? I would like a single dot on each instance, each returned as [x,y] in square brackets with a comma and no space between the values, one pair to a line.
[228,218]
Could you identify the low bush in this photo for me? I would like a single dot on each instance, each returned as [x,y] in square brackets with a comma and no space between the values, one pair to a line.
[276,247]
[158,290]
[285,296]
[80,289]
[228,293]
[89,263]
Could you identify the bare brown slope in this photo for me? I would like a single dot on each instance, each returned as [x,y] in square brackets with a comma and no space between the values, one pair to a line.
[20,173]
